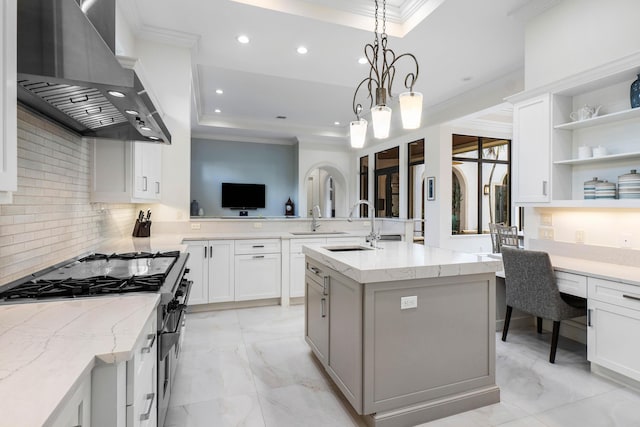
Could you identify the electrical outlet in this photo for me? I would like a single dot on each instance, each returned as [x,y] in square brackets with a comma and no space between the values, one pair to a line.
[579,236]
[257,225]
[195,226]
[625,241]
[545,233]
[546,219]
[408,302]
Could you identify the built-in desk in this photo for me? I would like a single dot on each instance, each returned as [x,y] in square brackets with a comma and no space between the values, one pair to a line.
[613,313]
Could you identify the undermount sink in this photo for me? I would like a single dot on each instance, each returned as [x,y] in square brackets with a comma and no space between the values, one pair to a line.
[350,248]
[311,233]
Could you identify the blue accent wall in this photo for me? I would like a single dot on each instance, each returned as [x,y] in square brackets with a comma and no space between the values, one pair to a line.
[215,162]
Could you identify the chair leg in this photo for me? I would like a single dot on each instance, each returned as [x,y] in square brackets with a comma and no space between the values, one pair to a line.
[507,319]
[539,325]
[554,341]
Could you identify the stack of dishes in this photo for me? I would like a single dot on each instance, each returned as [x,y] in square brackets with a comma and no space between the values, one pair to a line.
[629,185]
[590,188]
[605,190]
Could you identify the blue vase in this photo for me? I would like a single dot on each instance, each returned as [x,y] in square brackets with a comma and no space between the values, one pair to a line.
[635,93]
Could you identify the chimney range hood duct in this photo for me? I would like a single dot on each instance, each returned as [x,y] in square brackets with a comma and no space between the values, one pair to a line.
[67,70]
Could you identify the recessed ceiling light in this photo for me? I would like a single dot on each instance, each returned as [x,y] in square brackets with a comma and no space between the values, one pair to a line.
[243,39]
[281,117]
[217,110]
[116,94]
[132,112]
[362,60]
[467,79]
[336,123]
[147,128]
[302,50]
[155,138]
[219,91]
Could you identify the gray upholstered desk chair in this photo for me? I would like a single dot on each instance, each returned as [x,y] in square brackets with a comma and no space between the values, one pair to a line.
[531,287]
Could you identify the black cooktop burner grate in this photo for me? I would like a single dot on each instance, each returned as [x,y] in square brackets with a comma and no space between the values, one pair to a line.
[70,288]
[130,255]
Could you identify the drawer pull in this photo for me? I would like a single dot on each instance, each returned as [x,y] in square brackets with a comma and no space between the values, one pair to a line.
[150,397]
[152,338]
[315,270]
[257,246]
[322,302]
[631,297]
[258,256]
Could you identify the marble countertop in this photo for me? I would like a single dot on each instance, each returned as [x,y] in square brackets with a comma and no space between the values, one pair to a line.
[271,235]
[601,270]
[159,243]
[401,261]
[46,347]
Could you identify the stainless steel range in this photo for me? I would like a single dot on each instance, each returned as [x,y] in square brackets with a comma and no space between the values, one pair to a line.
[108,275]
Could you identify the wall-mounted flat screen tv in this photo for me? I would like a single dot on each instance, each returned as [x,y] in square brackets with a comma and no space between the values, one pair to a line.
[243,196]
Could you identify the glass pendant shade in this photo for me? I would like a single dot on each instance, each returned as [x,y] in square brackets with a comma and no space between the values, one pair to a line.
[381,117]
[411,109]
[358,133]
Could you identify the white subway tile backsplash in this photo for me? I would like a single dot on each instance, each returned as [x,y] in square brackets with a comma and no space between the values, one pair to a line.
[51,218]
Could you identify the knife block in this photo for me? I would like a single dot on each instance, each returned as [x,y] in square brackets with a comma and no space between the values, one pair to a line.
[142,228]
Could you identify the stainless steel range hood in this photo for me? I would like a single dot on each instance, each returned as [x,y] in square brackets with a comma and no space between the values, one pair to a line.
[67,70]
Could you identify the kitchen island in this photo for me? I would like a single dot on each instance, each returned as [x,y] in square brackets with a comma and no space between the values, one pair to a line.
[405,331]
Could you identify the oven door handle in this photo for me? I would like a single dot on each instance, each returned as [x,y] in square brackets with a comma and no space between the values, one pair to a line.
[170,338]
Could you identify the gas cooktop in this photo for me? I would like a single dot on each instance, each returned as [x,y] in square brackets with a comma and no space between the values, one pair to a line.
[96,274]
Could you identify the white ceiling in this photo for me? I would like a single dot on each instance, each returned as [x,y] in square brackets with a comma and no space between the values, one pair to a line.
[460,45]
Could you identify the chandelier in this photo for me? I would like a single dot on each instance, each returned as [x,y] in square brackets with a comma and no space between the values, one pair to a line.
[382,61]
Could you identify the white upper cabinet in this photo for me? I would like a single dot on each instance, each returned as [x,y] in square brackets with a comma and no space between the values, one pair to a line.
[553,144]
[8,126]
[126,171]
[532,146]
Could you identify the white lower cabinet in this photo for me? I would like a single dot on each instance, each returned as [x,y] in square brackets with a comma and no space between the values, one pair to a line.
[124,394]
[613,332]
[211,267]
[77,409]
[258,269]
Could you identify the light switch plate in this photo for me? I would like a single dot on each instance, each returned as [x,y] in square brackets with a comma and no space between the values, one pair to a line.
[546,219]
[408,302]
[257,225]
[195,226]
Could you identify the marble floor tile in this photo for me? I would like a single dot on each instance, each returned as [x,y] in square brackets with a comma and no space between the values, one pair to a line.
[252,367]
[283,362]
[212,330]
[240,410]
[207,375]
[296,405]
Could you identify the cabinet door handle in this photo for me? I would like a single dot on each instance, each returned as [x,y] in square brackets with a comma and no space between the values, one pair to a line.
[325,285]
[322,303]
[147,349]
[258,256]
[157,187]
[544,188]
[257,246]
[144,183]
[589,317]
[210,251]
[205,252]
[631,297]
[150,397]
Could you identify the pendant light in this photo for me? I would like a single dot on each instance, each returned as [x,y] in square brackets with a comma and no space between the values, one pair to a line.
[382,61]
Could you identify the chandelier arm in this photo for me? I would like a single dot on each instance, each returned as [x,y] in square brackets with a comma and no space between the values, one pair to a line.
[357,107]
[371,53]
[410,77]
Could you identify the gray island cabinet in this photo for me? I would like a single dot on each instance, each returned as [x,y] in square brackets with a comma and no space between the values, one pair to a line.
[406,332]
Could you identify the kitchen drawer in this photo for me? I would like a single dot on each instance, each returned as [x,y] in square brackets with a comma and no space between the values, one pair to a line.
[296,244]
[621,294]
[572,284]
[263,246]
[143,362]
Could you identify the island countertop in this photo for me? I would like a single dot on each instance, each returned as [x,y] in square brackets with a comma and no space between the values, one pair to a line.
[401,261]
